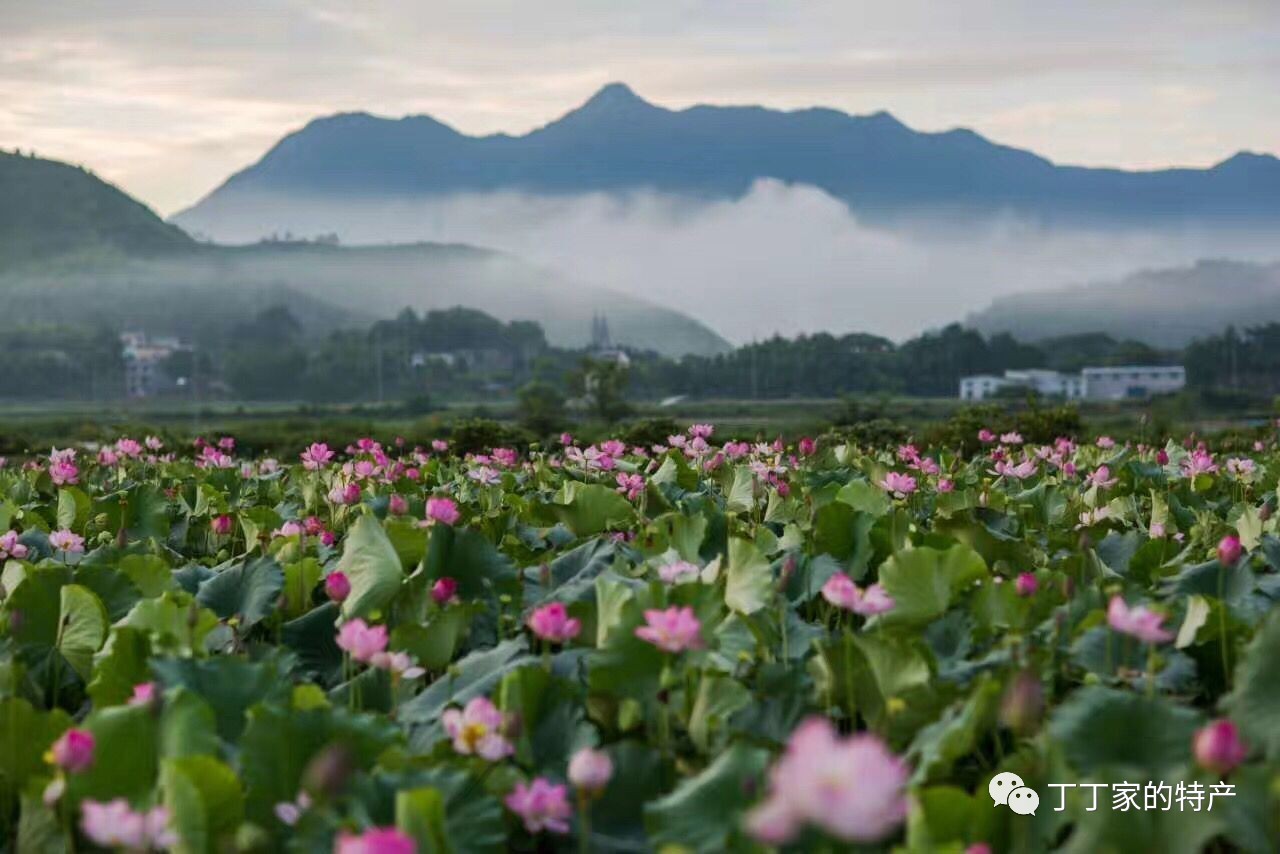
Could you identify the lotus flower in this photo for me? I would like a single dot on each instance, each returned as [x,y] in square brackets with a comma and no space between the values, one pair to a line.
[843,593]
[553,624]
[115,824]
[362,641]
[1229,550]
[337,586]
[10,547]
[68,542]
[541,805]
[442,510]
[1219,748]
[901,485]
[73,751]
[673,630]
[850,788]
[375,840]
[317,456]
[478,730]
[590,770]
[1138,622]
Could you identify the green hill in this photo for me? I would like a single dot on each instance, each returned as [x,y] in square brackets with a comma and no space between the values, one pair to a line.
[50,209]
[74,249]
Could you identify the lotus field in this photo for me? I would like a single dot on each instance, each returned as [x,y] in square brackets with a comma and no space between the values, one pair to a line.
[697,645]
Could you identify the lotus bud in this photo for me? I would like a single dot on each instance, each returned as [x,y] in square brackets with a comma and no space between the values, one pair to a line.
[1229,550]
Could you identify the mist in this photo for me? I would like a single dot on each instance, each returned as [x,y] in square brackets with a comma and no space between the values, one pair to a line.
[782,259]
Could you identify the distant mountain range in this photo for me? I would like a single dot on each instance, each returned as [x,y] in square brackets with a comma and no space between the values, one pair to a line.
[74,249]
[617,141]
[1164,308]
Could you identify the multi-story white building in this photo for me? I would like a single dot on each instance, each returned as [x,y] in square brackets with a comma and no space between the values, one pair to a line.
[1131,382]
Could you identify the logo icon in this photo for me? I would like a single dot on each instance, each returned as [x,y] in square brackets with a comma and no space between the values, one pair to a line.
[1001,785]
[1008,789]
[1024,801]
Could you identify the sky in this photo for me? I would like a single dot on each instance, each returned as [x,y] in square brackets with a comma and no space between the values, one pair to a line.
[167,98]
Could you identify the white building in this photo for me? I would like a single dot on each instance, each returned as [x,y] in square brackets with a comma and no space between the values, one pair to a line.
[1133,382]
[1047,383]
[144,364]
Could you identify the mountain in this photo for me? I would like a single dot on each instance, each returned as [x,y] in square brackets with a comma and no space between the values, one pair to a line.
[617,141]
[1163,308]
[74,248]
[50,209]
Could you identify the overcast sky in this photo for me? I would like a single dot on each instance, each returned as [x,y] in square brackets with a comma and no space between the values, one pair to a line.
[167,98]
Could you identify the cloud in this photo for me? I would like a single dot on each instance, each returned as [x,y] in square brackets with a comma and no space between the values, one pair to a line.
[167,98]
[783,259]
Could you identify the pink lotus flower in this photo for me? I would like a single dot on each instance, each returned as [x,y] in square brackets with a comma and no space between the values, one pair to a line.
[375,840]
[1229,550]
[701,431]
[1139,622]
[843,593]
[851,788]
[130,448]
[10,547]
[443,510]
[1011,438]
[1026,584]
[807,446]
[1198,462]
[1101,478]
[1241,467]
[144,694]
[290,811]
[985,436]
[107,457]
[478,730]
[946,485]
[1021,471]
[362,641]
[292,528]
[397,505]
[1106,442]
[73,751]
[222,525]
[630,485]
[115,824]
[901,485]
[678,572]
[1162,457]
[64,473]
[553,624]
[541,805]
[337,586]
[590,770]
[1219,748]
[505,456]
[443,591]
[399,664]
[673,630]
[317,456]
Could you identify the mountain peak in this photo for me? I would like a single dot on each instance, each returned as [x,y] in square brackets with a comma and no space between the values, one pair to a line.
[614,99]
[615,94]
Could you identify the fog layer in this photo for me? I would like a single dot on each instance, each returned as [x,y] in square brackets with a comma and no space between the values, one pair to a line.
[784,259]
